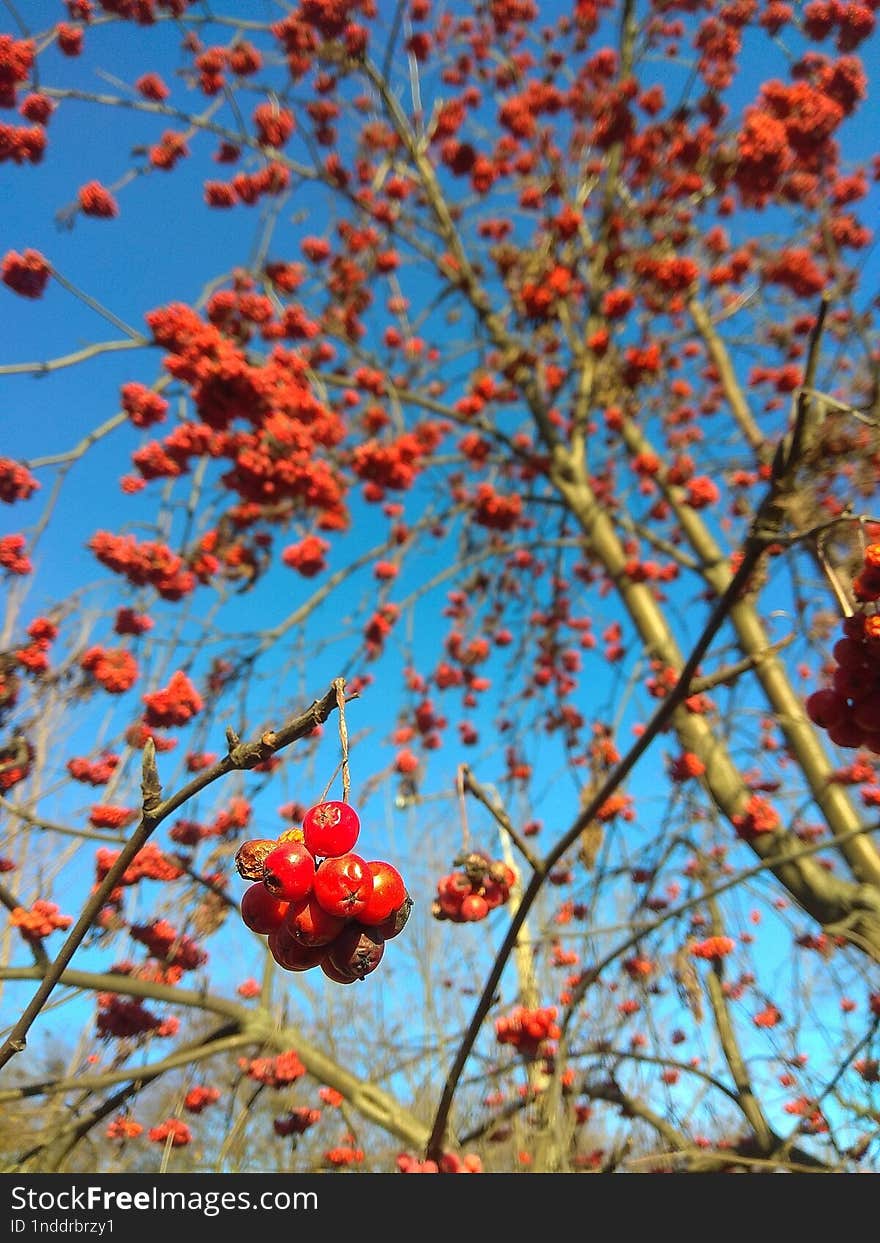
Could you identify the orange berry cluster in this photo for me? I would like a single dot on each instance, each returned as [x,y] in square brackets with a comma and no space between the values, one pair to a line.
[41,920]
[469,894]
[528,1029]
[450,1163]
[849,709]
[319,904]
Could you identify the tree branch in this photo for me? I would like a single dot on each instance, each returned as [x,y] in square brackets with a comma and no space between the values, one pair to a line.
[240,757]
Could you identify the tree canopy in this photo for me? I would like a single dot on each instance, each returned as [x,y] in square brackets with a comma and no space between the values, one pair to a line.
[444,435]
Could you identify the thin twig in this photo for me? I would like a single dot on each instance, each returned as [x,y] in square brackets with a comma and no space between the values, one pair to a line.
[48,365]
[39,822]
[471,784]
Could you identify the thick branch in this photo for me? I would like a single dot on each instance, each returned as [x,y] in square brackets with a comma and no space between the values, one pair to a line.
[375,1104]
[727,376]
[721,776]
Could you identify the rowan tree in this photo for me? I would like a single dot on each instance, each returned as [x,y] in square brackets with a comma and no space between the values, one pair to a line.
[465,415]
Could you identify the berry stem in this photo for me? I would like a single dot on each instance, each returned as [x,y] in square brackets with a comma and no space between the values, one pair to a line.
[343,738]
[462,806]
[329,785]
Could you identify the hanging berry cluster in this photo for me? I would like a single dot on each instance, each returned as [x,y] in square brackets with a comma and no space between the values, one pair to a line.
[528,1030]
[849,709]
[318,903]
[469,894]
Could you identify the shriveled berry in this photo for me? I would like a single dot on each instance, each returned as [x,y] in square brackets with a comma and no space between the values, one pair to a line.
[356,951]
[396,921]
[292,954]
[333,973]
[251,856]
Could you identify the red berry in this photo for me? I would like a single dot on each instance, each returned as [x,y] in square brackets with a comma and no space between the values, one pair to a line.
[848,682]
[871,742]
[495,894]
[288,872]
[473,908]
[456,884]
[849,653]
[854,627]
[845,733]
[452,889]
[343,885]
[508,876]
[825,708]
[388,893]
[330,829]
[357,951]
[450,905]
[261,911]
[867,715]
[308,922]
[291,954]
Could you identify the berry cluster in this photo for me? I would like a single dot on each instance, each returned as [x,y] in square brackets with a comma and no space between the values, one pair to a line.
[849,709]
[528,1030]
[319,904]
[469,894]
[40,920]
[450,1163]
